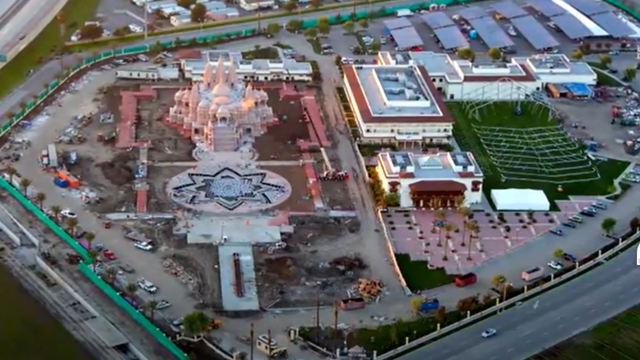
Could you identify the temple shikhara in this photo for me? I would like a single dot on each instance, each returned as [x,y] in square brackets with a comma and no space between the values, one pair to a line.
[221,112]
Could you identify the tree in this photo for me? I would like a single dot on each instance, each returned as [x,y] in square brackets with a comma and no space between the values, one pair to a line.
[375,46]
[89,237]
[466,54]
[130,290]
[293,25]
[273,29]
[608,224]
[187,4]
[634,224]
[629,74]
[440,314]
[109,274]
[24,185]
[11,172]
[393,334]
[40,198]
[324,28]
[290,6]
[323,20]
[198,13]
[55,211]
[151,306]
[448,228]
[416,303]
[392,200]
[72,224]
[440,216]
[470,303]
[495,54]
[558,253]
[497,280]
[464,212]
[91,32]
[195,323]
[487,299]
[121,31]
[576,55]
[605,60]
[363,23]
[474,229]
[311,33]
[316,4]
[348,26]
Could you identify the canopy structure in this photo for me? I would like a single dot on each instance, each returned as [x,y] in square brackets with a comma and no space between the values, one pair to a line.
[508,9]
[451,38]
[547,7]
[437,20]
[407,38]
[579,90]
[397,23]
[473,12]
[534,32]
[588,7]
[520,200]
[613,25]
[491,33]
[572,27]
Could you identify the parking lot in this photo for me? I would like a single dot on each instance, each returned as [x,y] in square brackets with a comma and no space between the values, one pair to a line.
[343,42]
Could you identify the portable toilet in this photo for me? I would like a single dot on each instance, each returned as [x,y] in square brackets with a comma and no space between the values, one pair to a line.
[473,34]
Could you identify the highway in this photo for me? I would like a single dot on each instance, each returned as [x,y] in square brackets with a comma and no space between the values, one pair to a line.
[548,319]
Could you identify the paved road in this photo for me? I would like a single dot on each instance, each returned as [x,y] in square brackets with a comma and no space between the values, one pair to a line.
[560,314]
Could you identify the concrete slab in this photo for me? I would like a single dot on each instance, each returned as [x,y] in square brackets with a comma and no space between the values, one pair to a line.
[245,230]
[230,301]
[106,331]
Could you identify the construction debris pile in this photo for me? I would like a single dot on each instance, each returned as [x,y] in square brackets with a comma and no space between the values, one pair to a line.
[178,271]
[370,290]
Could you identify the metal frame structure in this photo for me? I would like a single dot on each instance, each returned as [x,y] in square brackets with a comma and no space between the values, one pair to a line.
[473,12]
[534,32]
[547,8]
[612,25]
[508,9]
[437,19]
[451,37]
[491,33]
[571,26]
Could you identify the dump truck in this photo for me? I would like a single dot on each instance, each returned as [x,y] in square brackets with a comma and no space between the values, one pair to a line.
[269,346]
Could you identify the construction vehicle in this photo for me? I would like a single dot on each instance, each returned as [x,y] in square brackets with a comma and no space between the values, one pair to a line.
[334,174]
[106,137]
[213,325]
[269,346]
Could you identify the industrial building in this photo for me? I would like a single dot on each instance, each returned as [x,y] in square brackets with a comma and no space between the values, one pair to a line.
[422,180]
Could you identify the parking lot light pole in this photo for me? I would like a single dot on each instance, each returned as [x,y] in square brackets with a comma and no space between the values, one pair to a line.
[146,14]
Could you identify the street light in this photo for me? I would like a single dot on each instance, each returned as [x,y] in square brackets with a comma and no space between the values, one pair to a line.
[146,14]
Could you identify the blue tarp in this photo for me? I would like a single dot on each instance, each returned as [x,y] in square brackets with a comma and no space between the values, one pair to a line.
[578,89]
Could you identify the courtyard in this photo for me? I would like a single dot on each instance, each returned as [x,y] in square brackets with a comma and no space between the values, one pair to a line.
[522,145]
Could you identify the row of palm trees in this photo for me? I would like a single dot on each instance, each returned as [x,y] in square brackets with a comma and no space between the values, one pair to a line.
[468,226]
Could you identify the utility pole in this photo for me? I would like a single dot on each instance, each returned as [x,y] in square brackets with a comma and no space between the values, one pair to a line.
[269,343]
[335,327]
[354,11]
[146,14]
[259,20]
[317,318]
[252,342]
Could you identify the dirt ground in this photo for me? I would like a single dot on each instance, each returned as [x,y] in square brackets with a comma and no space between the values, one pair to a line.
[300,199]
[279,143]
[194,265]
[335,194]
[308,266]
[157,178]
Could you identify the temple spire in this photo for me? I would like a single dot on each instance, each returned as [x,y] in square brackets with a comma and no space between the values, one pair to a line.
[232,77]
[220,70]
[207,76]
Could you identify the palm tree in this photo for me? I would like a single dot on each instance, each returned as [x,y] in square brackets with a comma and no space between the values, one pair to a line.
[24,186]
[61,25]
[634,224]
[464,212]
[440,216]
[110,274]
[195,323]
[89,236]
[93,256]
[55,211]
[40,198]
[448,227]
[151,306]
[11,172]
[473,229]
[458,201]
[608,224]
[71,225]
[130,290]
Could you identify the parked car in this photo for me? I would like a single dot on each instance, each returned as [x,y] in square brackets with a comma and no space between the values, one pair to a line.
[591,209]
[147,286]
[570,258]
[576,219]
[163,304]
[109,255]
[587,213]
[489,333]
[556,231]
[143,246]
[176,325]
[569,224]
[554,265]
[599,205]
[68,213]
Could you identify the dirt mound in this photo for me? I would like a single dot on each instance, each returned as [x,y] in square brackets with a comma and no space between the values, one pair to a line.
[348,263]
[119,171]
[280,266]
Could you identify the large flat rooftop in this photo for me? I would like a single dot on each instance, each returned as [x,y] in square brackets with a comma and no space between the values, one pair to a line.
[399,93]
[429,166]
[555,63]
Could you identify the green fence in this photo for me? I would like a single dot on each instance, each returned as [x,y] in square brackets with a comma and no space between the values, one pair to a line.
[84,268]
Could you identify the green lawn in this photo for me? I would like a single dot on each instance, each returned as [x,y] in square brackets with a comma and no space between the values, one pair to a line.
[603,78]
[418,276]
[28,331]
[44,46]
[530,151]
[618,338]
[261,53]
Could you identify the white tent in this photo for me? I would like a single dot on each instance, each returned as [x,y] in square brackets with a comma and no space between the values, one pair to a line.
[520,199]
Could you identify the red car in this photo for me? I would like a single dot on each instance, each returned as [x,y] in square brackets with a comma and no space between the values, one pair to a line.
[109,255]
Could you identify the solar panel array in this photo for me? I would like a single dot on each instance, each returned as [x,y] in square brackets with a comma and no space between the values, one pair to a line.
[407,37]
[535,33]
[612,24]
[571,26]
[451,38]
[473,12]
[508,9]
[397,23]
[491,33]
[547,7]
[588,7]
[437,19]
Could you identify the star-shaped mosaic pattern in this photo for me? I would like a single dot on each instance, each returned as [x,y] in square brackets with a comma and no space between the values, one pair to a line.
[230,189]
